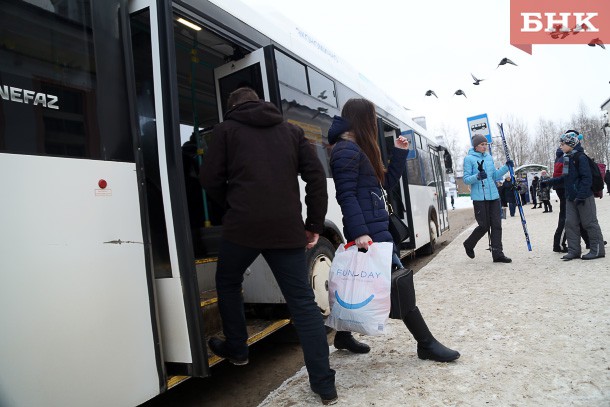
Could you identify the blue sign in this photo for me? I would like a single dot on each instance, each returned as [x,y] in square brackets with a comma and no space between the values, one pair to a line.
[479,125]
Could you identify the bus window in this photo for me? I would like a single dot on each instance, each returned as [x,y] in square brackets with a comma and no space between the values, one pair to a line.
[291,72]
[322,87]
[312,113]
[50,99]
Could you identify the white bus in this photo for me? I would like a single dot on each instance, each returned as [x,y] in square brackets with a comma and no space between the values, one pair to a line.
[107,243]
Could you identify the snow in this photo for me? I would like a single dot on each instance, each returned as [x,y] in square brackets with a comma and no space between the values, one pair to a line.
[535,332]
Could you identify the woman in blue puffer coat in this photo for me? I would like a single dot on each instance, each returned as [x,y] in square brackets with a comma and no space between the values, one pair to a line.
[359,174]
[481,174]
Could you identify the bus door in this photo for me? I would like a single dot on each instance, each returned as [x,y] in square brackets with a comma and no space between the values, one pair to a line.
[255,70]
[76,294]
[439,181]
[399,195]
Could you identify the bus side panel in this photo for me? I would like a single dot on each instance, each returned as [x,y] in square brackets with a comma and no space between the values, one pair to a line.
[74,301]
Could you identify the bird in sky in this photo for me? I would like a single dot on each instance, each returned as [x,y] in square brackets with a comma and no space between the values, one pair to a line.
[431,93]
[476,81]
[596,41]
[460,92]
[505,61]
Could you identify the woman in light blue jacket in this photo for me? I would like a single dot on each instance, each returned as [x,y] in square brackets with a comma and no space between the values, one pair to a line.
[481,174]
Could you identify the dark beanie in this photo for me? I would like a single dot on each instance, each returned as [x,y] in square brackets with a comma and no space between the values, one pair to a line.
[338,127]
[478,139]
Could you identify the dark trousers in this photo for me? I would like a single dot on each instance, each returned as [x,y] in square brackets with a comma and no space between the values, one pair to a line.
[579,217]
[560,238]
[511,208]
[547,205]
[290,272]
[487,215]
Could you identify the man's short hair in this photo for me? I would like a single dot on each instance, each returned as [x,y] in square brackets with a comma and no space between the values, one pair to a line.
[241,95]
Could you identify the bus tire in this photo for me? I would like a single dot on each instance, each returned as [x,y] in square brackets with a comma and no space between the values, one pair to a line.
[318,260]
[429,248]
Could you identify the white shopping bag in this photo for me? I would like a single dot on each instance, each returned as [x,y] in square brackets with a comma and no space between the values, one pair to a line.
[359,289]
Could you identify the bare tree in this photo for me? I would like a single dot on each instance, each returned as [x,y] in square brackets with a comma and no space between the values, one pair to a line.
[517,140]
[544,143]
[457,149]
[596,138]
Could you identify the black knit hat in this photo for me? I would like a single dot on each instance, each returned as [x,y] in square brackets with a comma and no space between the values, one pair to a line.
[478,139]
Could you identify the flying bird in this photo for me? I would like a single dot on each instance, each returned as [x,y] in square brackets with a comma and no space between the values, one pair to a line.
[431,93]
[505,61]
[322,95]
[596,41]
[476,81]
[460,92]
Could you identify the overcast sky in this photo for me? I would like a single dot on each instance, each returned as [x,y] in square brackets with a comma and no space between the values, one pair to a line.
[407,47]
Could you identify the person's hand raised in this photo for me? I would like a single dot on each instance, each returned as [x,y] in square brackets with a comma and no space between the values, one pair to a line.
[402,142]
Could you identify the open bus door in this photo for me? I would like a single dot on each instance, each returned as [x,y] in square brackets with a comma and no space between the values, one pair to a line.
[439,182]
[260,290]
[76,292]
[399,195]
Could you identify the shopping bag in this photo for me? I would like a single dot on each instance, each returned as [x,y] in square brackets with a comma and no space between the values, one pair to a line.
[359,289]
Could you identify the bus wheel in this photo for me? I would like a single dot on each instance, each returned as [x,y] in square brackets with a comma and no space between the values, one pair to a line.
[319,259]
[429,248]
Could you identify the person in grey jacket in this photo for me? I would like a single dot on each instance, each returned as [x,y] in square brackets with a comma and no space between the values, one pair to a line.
[478,167]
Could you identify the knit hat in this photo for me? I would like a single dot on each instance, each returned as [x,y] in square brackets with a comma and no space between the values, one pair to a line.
[570,138]
[478,139]
[338,127]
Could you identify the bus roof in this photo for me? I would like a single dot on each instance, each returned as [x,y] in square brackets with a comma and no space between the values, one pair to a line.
[286,33]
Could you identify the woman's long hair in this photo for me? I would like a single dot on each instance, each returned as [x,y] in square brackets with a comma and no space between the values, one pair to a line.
[360,113]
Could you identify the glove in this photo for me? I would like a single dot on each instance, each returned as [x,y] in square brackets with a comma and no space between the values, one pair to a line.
[510,163]
[481,175]
[579,201]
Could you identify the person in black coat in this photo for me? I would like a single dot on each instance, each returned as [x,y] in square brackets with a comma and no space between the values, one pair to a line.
[534,193]
[359,175]
[507,195]
[607,180]
[263,216]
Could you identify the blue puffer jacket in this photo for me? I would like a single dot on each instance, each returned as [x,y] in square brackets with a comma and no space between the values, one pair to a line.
[359,193]
[579,180]
[488,191]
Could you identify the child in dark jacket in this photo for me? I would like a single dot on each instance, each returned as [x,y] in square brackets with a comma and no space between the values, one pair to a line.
[580,203]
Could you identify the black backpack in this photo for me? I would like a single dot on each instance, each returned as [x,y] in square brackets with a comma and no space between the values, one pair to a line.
[597,185]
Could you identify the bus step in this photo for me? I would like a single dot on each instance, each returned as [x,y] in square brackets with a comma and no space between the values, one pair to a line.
[211,316]
[257,330]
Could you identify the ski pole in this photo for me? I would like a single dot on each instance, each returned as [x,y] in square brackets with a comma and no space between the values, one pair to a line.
[480,167]
[513,183]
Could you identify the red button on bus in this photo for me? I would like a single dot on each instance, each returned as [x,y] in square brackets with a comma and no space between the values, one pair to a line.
[102,183]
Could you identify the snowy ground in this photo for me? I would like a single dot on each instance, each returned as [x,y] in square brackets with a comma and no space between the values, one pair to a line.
[535,332]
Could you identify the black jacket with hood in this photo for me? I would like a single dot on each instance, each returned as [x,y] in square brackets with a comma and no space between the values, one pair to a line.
[252,168]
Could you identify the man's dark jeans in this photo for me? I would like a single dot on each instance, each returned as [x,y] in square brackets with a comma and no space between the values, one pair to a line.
[290,271]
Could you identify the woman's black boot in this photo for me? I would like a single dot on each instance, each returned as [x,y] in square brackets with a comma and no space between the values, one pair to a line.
[345,340]
[427,346]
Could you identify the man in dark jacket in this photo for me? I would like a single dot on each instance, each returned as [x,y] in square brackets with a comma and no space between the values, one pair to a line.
[607,180]
[507,195]
[252,168]
[580,203]
[534,193]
